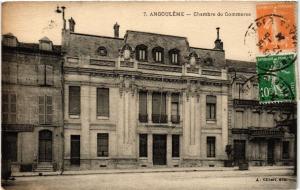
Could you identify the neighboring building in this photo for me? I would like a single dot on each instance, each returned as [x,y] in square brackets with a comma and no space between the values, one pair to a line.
[142,100]
[32,116]
[260,134]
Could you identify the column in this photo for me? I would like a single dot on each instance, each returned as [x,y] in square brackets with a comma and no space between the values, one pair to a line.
[149,106]
[168,106]
[169,150]
[150,154]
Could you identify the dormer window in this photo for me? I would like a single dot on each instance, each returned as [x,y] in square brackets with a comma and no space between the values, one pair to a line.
[174,56]
[102,51]
[141,52]
[158,54]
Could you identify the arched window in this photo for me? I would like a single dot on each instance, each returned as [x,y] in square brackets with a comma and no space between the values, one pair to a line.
[158,54]
[174,56]
[102,51]
[141,52]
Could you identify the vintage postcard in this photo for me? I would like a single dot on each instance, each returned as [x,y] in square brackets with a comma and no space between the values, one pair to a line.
[149,95]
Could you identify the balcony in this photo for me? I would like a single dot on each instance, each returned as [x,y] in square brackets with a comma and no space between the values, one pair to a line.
[265,133]
[143,118]
[175,118]
[159,118]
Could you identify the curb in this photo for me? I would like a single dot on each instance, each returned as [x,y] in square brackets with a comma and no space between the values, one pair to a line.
[91,172]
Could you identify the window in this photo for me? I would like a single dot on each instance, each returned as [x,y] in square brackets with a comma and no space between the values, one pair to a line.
[141,52]
[158,54]
[103,102]
[175,108]
[159,107]
[211,107]
[143,145]
[74,100]
[175,146]
[45,75]
[143,116]
[45,110]
[102,51]
[239,119]
[75,150]
[174,56]
[285,150]
[9,108]
[211,146]
[102,144]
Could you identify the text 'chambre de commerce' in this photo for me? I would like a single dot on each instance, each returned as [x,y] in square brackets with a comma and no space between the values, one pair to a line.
[178,13]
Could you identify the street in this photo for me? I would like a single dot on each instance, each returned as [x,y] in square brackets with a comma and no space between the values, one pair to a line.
[271,179]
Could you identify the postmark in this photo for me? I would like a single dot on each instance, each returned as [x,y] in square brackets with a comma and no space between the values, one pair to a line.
[276,77]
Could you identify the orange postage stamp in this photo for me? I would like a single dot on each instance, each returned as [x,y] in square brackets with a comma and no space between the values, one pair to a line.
[276,28]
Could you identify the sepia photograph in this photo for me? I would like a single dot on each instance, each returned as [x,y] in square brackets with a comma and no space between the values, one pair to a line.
[149,95]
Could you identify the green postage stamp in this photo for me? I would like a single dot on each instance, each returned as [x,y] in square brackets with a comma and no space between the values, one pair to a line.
[276,78]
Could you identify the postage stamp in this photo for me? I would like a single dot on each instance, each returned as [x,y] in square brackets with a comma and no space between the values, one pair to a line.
[276,76]
[276,38]
[274,29]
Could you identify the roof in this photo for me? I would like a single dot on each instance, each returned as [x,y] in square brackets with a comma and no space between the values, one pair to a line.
[238,65]
[34,47]
[45,38]
[87,45]
[151,40]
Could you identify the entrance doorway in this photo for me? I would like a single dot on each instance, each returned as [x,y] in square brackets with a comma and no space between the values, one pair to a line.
[9,146]
[159,149]
[239,151]
[75,149]
[45,146]
[271,146]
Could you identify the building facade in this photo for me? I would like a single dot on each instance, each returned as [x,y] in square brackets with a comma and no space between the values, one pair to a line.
[32,119]
[143,100]
[262,134]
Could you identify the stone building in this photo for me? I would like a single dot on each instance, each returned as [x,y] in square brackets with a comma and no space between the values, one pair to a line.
[260,134]
[31,104]
[143,100]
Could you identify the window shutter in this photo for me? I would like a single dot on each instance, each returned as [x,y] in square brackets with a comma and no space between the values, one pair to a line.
[74,100]
[41,109]
[155,103]
[103,102]
[13,108]
[41,74]
[49,110]
[49,74]
[143,103]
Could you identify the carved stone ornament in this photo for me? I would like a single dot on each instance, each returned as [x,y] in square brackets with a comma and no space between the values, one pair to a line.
[127,52]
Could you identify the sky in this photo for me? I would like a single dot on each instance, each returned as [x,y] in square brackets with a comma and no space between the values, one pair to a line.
[30,21]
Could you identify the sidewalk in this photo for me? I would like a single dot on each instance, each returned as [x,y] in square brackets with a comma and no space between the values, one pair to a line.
[253,170]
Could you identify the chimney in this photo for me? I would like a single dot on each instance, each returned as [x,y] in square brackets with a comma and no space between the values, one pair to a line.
[218,41]
[72,24]
[116,29]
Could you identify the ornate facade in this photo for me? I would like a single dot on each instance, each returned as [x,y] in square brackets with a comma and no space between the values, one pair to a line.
[143,100]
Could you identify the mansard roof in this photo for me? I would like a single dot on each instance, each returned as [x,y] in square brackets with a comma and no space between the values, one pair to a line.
[241,66]
[87,45]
